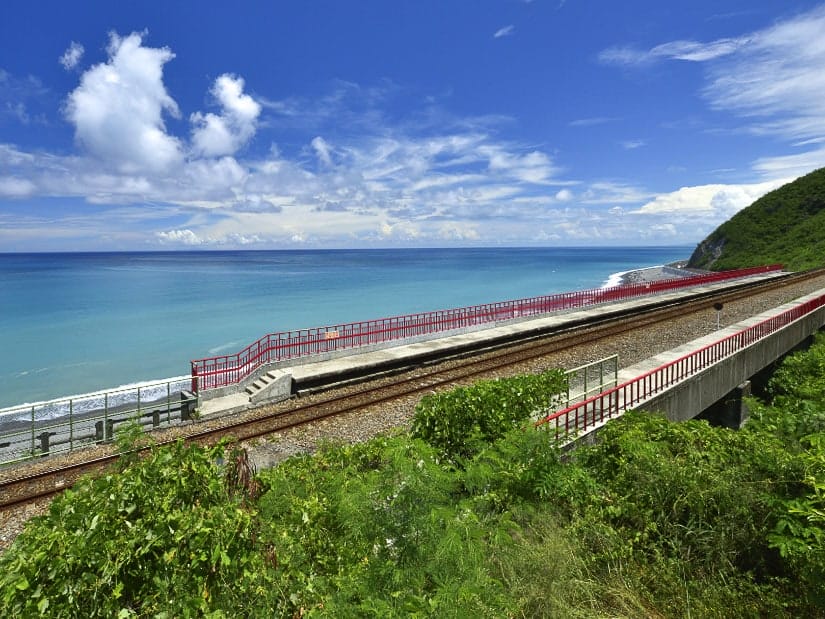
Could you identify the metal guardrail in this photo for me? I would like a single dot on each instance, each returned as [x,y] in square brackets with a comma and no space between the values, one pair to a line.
[591,378]
[220,371]
[64,424]
[594,410]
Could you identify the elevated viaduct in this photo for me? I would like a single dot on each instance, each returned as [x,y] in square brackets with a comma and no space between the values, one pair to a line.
[707,377]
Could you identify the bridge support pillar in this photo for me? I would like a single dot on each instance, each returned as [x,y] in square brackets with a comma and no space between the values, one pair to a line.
[731,411]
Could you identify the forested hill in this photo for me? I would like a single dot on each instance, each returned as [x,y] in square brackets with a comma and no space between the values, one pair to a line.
[784,226]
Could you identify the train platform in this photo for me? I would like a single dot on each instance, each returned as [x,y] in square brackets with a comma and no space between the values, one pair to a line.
[308,374]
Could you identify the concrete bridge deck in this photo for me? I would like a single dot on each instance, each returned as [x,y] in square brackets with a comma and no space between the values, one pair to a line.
[707,376]
[709,386]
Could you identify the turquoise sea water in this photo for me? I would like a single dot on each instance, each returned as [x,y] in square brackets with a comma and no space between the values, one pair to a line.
[73,323]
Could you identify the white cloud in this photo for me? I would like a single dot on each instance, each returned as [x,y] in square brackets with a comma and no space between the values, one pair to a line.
[11,156]
[413,181]
[790,165]
[692,51]
[773,78]
[717,202]
[777,78]
[185,237]
[71,57]
[533,167]
[633,144]
[664,230]
[613,193]
[117,108]
[188,237]
[699,52]
[14,187]
[591,122]
[19,95]
[446,180]
[401,230]
[453,232]
[216,135]
[506,31]
[322,150]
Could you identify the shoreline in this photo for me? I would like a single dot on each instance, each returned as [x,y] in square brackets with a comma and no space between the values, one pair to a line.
[644,275]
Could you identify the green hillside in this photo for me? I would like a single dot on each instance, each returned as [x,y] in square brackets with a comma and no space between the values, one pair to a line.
[785,226]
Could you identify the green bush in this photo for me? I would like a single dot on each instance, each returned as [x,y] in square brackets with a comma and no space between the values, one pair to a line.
[160,538]
[459,423]
[378,529]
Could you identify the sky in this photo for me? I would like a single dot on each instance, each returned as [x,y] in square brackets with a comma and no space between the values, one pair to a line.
[166,125]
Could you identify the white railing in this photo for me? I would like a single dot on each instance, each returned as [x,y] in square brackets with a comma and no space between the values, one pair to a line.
[64,424]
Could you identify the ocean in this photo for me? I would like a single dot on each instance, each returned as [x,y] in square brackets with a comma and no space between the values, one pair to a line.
[80,322]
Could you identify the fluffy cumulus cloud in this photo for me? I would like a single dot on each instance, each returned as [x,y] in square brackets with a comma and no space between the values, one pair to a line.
[716,202]
[71,57]
[564,195]
[117,110]
[215,135]
[185,237]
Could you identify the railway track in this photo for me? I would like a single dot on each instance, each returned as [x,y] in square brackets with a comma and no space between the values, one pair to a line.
[464,367]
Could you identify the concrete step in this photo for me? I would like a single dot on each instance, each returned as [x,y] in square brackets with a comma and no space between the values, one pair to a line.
[259,384]
[275,385]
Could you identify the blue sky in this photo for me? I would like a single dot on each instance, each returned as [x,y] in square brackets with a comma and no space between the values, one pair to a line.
[323,123]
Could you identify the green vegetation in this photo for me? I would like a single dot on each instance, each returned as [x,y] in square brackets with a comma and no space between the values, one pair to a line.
[657,520]
[785,226]
[461,422]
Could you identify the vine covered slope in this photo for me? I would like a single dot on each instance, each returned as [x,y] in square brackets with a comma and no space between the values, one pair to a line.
[785,226]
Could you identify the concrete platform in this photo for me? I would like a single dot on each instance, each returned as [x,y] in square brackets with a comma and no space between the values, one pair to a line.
[306,373]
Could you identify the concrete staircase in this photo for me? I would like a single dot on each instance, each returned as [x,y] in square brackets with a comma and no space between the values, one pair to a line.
[275,385]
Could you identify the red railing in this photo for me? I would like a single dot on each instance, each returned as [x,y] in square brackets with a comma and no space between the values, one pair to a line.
[611,403]
[214,372]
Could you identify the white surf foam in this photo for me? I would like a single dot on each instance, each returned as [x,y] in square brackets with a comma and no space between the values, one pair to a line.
[145,391]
